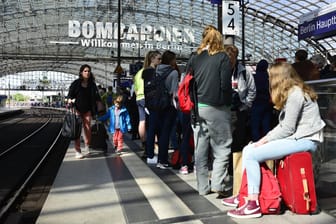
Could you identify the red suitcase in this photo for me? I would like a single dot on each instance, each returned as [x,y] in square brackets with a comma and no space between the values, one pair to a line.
[296,180]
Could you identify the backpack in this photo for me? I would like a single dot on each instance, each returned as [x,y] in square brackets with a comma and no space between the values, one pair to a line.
[157,96]
[185,94]
[270,194]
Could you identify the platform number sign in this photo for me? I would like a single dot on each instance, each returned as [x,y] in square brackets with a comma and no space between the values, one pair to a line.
[230,17]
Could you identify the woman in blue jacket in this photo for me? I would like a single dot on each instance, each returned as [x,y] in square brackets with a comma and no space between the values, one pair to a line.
[119,120]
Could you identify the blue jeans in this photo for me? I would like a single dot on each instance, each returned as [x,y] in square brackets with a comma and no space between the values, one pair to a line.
[185,148]
[173,136]
[166,123]
[277,149]
[152,130]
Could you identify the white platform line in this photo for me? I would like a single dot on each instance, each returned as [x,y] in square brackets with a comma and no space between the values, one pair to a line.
[162,199]
[83,192]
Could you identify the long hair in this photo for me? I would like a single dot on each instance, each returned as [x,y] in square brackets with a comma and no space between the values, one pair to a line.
[168,58]
[149,57]
[81,69]
[212,39]
[232,51]
[283,77]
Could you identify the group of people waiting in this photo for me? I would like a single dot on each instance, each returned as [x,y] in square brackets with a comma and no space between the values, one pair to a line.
[314,68]
[218,75]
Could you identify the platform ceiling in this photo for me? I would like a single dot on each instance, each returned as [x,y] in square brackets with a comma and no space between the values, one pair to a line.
[35,36]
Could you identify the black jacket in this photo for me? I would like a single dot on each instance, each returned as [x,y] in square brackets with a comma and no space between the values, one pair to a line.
[213,78]
[94,95]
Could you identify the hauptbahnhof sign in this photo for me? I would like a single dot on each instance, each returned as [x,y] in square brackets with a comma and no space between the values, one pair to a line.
[318,24]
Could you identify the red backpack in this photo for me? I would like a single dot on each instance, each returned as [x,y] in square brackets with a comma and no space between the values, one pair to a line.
[270,194]
[184,93]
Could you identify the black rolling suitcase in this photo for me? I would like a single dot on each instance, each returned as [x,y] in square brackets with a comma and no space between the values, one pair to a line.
[98,137]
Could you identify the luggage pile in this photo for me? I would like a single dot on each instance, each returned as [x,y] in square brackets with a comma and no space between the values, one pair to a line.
[292,184]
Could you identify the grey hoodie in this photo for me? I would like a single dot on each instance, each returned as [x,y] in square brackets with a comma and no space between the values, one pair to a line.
[246,88]
[171,81]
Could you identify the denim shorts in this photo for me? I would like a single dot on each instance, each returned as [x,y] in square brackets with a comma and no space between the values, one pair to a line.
[141,109]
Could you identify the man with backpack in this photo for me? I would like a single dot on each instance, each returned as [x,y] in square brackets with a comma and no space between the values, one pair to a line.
[160,90]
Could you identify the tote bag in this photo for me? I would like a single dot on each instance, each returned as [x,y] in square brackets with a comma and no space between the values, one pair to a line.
[72,125]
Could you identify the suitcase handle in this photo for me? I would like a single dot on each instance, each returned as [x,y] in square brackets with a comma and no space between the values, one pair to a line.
[305,188]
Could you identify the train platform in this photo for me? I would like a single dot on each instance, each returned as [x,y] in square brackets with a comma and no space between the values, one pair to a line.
[124,189]
[9,111]
[6,112]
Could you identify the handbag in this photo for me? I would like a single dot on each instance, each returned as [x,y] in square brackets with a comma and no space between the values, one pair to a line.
[72,125]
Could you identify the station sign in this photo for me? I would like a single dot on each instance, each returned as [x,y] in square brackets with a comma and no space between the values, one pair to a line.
[230,11]
[318,24]
[105,34]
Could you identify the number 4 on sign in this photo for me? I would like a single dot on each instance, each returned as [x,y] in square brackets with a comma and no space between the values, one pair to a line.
[230,17]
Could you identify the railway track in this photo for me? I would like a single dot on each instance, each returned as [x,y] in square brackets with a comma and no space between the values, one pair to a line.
[27,143]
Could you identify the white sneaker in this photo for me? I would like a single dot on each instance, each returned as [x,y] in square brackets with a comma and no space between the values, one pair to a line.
[87,150]
[79,155]
[163,166]
[152,160]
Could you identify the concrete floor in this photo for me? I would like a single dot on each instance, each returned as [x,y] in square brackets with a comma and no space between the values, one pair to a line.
[124,189]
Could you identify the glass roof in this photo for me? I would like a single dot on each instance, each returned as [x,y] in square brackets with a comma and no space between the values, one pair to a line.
[60,35]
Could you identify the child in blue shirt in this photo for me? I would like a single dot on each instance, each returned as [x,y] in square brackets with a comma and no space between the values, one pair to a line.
[119,122]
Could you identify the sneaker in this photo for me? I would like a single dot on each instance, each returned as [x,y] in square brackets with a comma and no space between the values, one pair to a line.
[222,194]
[184,170]
[79,155]
[152,160]
[163,166]
[87,150]
[250,209]
[232,201]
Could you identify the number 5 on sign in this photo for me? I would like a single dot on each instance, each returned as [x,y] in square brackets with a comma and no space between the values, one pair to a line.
[230,17]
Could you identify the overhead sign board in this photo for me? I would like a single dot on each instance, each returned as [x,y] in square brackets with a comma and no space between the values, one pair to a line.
[318,24]
[105,35]
[230,17]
